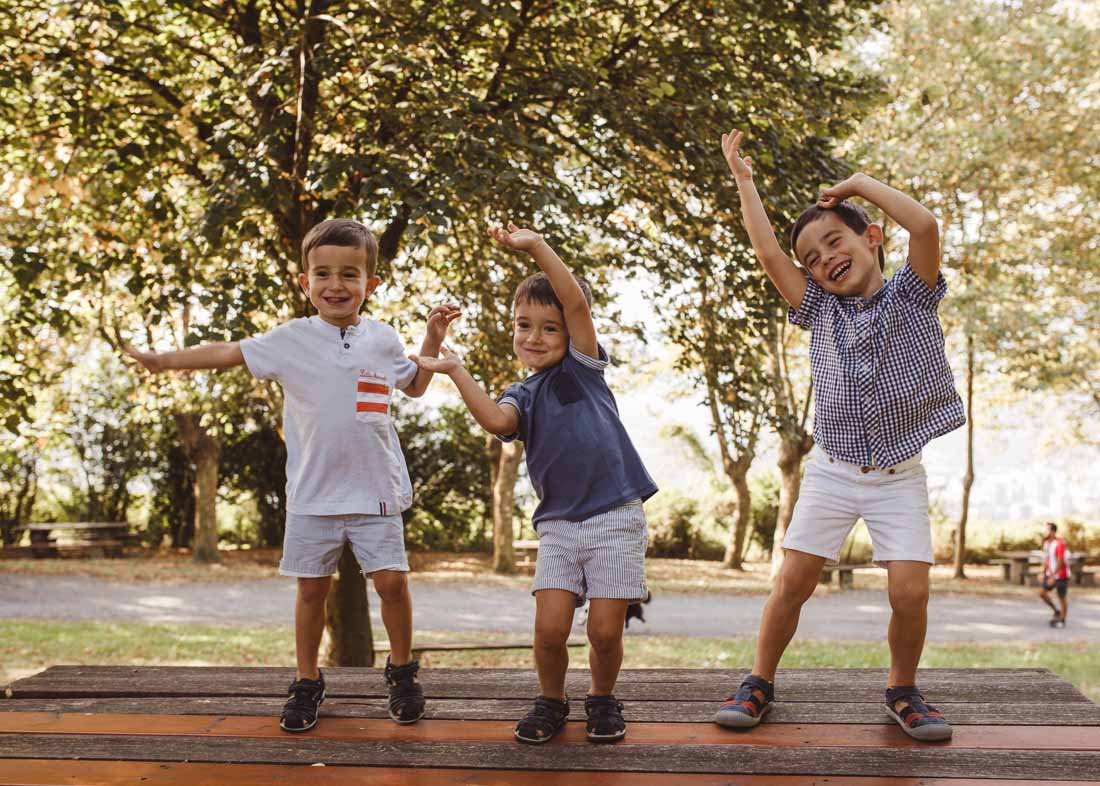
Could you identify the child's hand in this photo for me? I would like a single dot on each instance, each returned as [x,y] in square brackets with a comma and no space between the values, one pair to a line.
[731,148]
[150,361]
[448,363]
[439,319]
[833,196]
[514,237]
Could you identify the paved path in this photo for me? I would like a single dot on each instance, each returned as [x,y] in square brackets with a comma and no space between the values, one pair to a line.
[856,615]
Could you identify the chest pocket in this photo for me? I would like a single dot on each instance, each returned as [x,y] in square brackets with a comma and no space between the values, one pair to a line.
[372,397]
[566,389]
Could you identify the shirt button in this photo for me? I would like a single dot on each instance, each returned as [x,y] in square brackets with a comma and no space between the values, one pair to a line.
[347,346]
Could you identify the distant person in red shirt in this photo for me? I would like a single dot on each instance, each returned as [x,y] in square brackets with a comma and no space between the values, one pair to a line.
[1055,573]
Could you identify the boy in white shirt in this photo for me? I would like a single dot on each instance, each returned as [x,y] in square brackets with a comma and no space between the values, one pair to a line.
[346,475]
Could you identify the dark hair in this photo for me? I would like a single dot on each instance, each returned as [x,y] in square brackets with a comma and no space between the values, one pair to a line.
[341,232]
[854,216]
[536,289]
[1053,526]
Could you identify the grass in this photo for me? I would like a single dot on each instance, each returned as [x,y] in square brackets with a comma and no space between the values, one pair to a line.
[664,575]
[27,647]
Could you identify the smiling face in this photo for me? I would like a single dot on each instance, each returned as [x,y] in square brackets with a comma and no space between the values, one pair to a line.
[540,339]
[841,260]
[336,283]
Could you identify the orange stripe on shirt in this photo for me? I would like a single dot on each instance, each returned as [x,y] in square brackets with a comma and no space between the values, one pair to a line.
[373,387]
[370,406]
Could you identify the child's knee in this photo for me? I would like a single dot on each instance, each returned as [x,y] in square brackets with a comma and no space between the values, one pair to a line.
[391,585]
[551,634]
[909,598]
[605,638]
[313,590]
[793,588]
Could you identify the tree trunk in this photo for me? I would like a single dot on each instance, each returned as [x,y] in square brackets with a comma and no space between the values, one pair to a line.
[347,615]
[205,453]
[968,478]
[791,452]
[504,502]
[735,548]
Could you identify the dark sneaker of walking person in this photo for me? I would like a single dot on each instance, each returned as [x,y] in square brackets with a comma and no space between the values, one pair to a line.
[919,720]
[406,696]
[605,719]
[545,719]
[748,706]
[300,711]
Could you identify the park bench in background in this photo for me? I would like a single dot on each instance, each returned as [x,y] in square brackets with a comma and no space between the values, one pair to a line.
[527,552]
[170,726]
[81,538]
[1018,567]
[844,573]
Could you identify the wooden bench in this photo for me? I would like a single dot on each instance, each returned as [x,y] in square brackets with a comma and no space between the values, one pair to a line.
[87,538]
[171,726]
[527,552]
[844,573]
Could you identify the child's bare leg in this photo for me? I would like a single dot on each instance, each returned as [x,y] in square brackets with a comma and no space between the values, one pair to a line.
[793,587]
[554,611]
[606,618]
[1063,601]
[309,624]
[393,592]
[908,583]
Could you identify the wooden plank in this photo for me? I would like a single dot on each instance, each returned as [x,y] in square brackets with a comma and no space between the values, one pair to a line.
[50,772]
[818,685]
[1080,738]
[1059,714]
[926,761]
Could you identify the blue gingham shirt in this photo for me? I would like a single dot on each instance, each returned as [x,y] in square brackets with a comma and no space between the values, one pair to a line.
[882,386]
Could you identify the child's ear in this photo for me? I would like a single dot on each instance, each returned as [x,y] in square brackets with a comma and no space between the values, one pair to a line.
[875,237]
[303,282]
[372,284]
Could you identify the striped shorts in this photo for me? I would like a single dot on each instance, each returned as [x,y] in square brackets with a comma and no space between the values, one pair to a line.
[599,557]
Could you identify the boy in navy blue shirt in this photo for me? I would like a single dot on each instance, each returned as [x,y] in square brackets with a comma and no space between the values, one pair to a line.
[882,391]
[589,480]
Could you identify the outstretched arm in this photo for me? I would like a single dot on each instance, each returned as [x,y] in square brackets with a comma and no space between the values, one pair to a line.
[788,279]
[219,355]
[439,319]
[911,215]
[493,417]
[578,316]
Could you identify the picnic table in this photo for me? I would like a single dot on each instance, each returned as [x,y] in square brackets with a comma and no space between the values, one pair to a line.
[1017,566]
[527,552]
[84,538]
[845,577]
[168,726]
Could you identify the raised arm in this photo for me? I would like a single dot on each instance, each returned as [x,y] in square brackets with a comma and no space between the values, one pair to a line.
[439,319]
[788,279]
[911,215]
[578,316]
[218,355]
[491,416]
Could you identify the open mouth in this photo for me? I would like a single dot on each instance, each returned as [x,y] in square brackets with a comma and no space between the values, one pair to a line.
[840,270]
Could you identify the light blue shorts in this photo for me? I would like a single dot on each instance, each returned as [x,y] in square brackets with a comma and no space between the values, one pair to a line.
[312,544]
[599,557]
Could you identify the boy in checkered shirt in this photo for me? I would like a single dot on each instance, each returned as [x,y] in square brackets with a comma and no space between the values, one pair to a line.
[883,390]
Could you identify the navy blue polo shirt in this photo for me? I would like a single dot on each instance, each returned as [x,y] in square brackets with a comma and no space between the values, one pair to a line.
[579,457]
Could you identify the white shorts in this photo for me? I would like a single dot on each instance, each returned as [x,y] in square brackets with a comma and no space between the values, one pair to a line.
[893,501]
[312,544]
[600,557]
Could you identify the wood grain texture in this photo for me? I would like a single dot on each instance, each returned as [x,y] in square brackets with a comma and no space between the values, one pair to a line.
[795,685]
[40,772]
[964,714]
[1080,738]
[923,761]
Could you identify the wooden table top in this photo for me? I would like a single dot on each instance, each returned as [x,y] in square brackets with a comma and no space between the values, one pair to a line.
[163,726]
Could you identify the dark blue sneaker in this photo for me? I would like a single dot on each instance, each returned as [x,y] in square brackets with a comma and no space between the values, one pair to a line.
[300,711]
[919,720]
[747,707]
